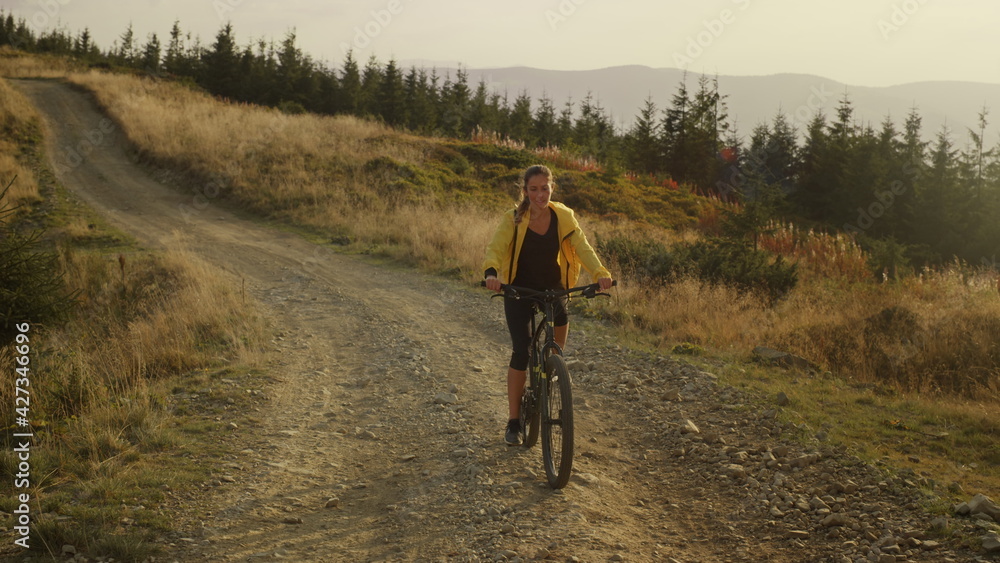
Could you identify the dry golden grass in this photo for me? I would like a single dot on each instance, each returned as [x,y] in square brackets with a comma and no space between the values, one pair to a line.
[16,64]
[18,120]
[168,314]
[266,157]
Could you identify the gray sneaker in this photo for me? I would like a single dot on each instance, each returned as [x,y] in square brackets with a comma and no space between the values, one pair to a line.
[513,433]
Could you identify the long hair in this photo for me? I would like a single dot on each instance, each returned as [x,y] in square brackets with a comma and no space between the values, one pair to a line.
[531,172]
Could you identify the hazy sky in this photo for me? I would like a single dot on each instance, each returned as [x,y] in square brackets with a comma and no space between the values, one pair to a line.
[858,42]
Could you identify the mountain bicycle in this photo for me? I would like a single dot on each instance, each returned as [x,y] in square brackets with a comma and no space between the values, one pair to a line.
[547,400]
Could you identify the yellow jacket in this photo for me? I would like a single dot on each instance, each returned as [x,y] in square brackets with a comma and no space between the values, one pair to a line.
[574,250]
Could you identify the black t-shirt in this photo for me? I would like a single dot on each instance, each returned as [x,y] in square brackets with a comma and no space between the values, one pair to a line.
[538,261]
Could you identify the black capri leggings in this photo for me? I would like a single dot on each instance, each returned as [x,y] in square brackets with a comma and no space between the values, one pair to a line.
[518,312]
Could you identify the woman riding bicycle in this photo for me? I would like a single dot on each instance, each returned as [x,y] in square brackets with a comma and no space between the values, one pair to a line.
[538,245]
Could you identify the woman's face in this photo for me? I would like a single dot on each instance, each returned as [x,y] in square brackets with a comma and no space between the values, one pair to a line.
[538,190]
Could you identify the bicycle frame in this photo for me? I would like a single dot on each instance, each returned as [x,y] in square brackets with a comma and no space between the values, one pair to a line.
[543,412]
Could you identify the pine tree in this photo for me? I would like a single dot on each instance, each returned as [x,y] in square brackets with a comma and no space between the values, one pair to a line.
[391,105]
[483,113]
[545,125]
[564,126]
[350,85]
[126,53]
[642,147]
[521,121]
[174,61]
[295,84]
[371,77]
[150,59]
[814,194]
[976,157]
[592,128]
[420,107]
[220,65]
[674,135]
[328,91]
[83,47]
[913,167]
[258,71]
[939,192]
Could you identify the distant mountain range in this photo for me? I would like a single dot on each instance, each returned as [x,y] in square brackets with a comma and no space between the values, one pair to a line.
[622,92]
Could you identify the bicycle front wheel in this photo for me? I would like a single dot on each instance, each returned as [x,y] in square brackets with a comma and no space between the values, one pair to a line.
[529,416]
[557,422]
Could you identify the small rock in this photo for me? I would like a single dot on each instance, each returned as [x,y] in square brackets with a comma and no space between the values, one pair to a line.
[688,427]
[507,529]
[835,519]
[782,399]
[585,478]
[981,504]
[930,545]
[818,504]
[797,534]
[735,471]
[333,503]
[291,520]
[68,550]
[445,399]
[772,357]
[991,543]
[408,457]
[673,395]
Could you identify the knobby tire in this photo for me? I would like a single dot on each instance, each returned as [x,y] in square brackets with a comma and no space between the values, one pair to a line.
[556,402]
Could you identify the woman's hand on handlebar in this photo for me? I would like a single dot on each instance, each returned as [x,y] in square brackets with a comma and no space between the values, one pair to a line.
[493,284]
[605,283]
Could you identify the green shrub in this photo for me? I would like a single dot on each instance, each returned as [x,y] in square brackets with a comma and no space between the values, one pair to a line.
[712,261]
[291,108]
[645,258]
[737,265]
[481,154]
[887,258]
[31,283]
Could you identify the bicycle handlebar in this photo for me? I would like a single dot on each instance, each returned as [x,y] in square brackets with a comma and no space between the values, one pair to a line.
[514,292]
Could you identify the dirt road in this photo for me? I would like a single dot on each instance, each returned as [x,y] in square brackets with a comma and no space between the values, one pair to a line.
[382,439]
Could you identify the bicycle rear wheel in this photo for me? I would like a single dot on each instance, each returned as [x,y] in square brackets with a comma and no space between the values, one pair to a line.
[556,403]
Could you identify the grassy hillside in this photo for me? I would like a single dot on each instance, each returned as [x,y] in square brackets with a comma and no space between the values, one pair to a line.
[899,364]
[436,201]
[111,439]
